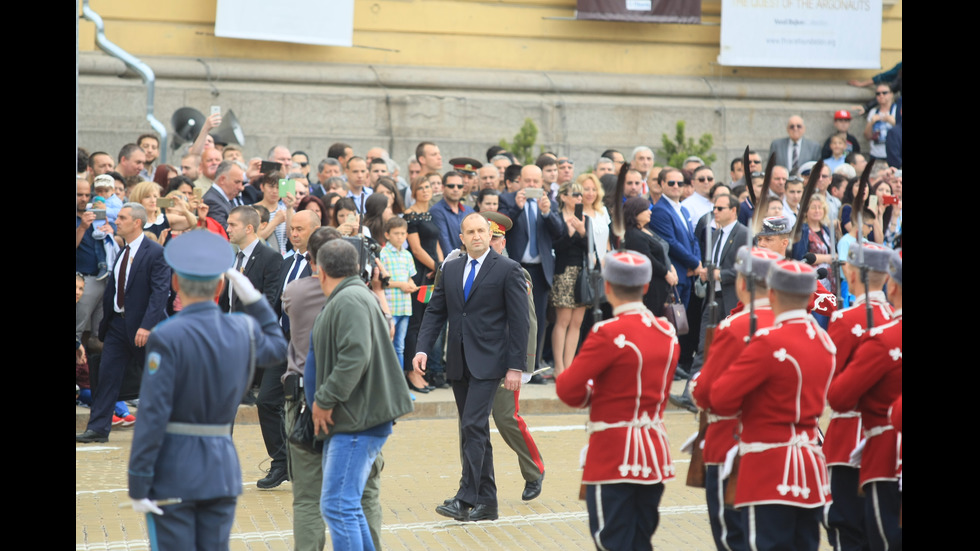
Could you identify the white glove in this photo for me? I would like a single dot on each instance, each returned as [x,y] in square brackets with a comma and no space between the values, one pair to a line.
[525,377]
[146,506]
[242,287]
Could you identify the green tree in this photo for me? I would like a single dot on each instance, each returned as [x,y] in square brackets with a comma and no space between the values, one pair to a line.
[523,145]
[683,147]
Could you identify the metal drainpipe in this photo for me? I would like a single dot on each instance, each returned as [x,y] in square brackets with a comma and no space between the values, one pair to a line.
[136,65]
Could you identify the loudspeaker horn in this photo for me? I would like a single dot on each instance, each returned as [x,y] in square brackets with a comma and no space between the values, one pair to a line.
[230,130]
[187,123]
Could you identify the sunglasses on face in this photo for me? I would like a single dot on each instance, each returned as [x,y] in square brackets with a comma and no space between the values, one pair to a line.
[720,209]
[704,179]
[795,126]
[454,186]
[672,183]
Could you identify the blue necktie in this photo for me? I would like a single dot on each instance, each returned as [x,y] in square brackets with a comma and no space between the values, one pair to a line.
[532,229]
[469,279]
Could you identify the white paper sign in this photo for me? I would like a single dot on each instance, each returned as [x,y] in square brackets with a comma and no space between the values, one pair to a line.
[832,34]
[324,23]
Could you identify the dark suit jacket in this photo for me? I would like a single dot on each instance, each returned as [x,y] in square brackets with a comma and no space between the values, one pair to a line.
[809,151]
[735,239]
[218,205]
[284,268]
[549,229]
[146,293]
[262,269]
[491,328]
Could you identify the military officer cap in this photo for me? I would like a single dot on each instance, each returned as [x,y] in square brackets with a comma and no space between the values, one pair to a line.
[199,255]
[895,266]
[876,257]
[500,224]
[762,260]
[466,165]
[790,276]
[775,225]
[806,168]
[627,268]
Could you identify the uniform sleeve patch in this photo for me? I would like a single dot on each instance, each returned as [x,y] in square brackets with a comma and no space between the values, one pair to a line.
[153,362]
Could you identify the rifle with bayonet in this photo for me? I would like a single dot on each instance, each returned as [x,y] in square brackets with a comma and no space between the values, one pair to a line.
[858,207]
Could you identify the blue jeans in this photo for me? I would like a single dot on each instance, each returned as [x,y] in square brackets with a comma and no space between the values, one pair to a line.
[401,328]
[347,460]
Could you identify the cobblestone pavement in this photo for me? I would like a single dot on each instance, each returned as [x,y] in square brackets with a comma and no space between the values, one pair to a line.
[422,469]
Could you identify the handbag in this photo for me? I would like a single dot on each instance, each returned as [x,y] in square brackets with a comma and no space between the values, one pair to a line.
[676,313]
[589,281]
[304,434]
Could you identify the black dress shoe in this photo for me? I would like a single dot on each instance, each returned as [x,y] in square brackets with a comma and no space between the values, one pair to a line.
[455,509]
[536,380]
[683,402]
[532,489]
[483,512]
[438,380]
[90,436]
[276,476]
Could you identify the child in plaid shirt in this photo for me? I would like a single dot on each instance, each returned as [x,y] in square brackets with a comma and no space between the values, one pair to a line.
[401,267]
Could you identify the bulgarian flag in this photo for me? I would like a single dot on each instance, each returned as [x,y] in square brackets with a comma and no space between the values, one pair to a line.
[425,293]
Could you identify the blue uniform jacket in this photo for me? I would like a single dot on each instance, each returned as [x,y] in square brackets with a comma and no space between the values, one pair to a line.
[196,371]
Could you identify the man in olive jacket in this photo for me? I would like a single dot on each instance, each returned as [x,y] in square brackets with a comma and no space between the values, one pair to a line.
[360,390]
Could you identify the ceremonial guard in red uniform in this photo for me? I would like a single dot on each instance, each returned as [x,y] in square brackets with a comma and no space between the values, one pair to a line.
[845,516]
[778,386]
[774,236]
[871,382]
[623,374]
[721,435]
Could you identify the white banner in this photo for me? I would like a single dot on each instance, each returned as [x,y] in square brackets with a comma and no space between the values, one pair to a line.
[829,34]
[324,23]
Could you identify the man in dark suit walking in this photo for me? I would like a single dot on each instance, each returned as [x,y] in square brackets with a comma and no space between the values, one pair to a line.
[260,264]
[536,225]
[794,150]
[484,298]
[135,300]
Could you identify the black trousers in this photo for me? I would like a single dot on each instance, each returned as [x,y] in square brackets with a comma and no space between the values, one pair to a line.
[474,401]
[271,403]
[623,516]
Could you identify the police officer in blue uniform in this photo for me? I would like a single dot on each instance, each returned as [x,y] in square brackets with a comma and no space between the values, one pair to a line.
[198,365]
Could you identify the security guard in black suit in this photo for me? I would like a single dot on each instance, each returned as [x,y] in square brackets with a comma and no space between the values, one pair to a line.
[198,365]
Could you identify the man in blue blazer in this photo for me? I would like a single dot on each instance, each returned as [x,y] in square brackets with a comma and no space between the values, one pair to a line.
[483,296]
[135,300]
[535,255]
[672,222]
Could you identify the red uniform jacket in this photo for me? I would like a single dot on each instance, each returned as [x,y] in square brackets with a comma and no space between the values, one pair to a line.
[846,329]
[624,371]
[871,382]
[730,341]
[780,386]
